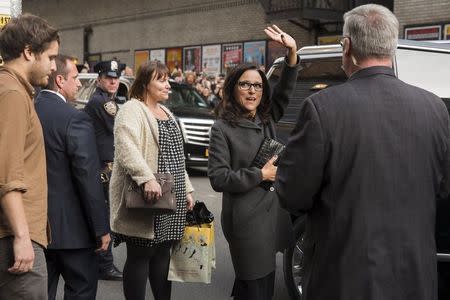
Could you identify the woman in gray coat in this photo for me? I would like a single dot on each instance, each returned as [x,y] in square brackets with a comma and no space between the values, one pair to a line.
[252,221]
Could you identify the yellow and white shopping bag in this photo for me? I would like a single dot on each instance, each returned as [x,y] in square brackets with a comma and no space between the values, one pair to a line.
[194,255]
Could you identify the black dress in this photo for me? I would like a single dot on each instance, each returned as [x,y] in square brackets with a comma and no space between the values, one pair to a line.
[170,159]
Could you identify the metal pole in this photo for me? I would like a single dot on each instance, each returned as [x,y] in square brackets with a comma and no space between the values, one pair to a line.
[16,8]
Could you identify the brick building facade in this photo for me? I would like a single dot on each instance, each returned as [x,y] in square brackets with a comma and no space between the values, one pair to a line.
[106,29]
[121,27]
[419,13]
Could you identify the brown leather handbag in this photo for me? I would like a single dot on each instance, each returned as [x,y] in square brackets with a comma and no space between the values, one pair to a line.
[135,197]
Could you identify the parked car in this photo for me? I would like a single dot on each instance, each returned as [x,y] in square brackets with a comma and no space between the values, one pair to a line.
[423,64]
[192,113]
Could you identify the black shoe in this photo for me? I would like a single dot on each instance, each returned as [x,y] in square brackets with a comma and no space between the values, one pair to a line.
[111,274]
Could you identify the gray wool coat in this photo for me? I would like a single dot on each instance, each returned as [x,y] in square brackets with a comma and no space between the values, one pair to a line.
[252,221]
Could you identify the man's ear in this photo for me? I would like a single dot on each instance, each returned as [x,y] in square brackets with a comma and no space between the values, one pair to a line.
[27,53]
[346,47]
[59,81]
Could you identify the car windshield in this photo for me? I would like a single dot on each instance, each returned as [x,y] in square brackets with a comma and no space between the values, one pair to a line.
[185,97]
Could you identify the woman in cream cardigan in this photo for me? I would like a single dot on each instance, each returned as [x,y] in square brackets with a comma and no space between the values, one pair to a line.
[137,153]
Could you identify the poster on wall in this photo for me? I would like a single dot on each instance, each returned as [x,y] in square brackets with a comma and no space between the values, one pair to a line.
[231,56]
[158,54]
[274,50]
[173,58]
[211,59]
[447,32]
[255,53]
[140,57]
[328,39]
[423,33]
[192,59]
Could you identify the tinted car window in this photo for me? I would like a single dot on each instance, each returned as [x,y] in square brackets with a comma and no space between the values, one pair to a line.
[185,97]
[122,91]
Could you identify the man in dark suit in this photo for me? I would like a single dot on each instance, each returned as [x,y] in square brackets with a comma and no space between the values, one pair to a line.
[365,162]
[76,204]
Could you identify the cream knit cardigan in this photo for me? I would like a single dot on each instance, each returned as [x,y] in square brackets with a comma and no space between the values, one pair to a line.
[136,154]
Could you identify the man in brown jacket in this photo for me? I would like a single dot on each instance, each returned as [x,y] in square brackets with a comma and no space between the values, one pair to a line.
[28,46]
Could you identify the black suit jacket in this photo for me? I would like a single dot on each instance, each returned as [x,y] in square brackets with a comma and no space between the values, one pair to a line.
[365,162]
[76,203]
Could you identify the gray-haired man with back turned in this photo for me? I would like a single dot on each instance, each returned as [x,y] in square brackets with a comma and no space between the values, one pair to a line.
[365,162]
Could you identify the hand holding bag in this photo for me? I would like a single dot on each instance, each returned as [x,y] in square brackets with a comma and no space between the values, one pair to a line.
[199,214]
[134,194]
[135,197]
[269,147]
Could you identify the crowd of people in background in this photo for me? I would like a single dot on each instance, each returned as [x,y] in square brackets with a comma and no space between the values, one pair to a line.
[210,87]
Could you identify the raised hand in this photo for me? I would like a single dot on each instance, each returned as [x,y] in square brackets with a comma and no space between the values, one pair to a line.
[278,35]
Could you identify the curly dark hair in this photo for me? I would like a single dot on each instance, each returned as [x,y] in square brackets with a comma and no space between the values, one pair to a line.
[26,31]
[230,109]
[147,72]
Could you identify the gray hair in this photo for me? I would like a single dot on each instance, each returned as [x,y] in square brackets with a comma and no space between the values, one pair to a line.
[373,31]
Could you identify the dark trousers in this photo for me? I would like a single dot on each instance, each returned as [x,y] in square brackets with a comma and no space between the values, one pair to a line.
[144,263]
[27,286]
[105,258]
[258,289]
[78,269]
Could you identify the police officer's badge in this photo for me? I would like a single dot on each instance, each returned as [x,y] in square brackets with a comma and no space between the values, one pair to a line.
[111,108]
[114,65]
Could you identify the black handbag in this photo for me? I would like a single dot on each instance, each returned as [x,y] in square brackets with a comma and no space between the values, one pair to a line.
[199,215]
[135,197]
[269,147]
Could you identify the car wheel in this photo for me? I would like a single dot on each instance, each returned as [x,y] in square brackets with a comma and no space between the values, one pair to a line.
[293,262]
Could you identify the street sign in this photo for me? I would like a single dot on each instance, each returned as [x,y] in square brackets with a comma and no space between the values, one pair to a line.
[423,33]
[4,19]
[5,12]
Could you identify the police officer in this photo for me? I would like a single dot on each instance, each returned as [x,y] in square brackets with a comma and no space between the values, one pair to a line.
[102,108]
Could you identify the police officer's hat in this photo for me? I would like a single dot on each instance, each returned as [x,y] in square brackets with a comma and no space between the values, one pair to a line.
[110,68]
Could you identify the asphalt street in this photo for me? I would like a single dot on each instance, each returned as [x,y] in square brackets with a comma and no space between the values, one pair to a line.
[222,276]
